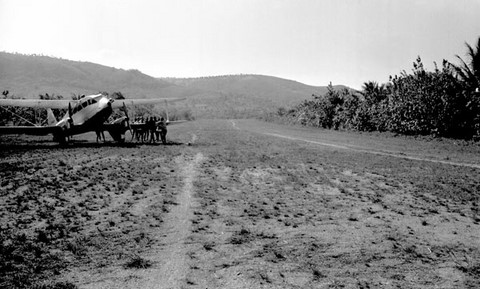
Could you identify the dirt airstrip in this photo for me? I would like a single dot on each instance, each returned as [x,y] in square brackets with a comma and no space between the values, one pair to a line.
[240,204]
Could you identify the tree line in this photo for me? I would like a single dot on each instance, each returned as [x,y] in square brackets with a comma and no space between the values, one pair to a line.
[443,102]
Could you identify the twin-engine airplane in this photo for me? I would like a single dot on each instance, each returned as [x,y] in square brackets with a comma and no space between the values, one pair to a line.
[84,115]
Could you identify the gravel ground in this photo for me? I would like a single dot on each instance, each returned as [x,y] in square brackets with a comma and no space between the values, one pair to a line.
[241,204]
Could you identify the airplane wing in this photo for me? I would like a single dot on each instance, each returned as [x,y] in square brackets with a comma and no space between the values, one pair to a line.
[31,130]
[40,103]
[119,102]
[63,103]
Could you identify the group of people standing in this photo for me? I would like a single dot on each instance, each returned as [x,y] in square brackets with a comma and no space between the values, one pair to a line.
[149,129]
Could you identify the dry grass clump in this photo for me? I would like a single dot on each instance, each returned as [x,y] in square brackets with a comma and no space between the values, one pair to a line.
[27,260]
[241,237]
[138,262]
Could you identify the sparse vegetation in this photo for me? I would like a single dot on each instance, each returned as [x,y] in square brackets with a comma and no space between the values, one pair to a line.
[302,214]
[138,262]
[60,215]
[25,261]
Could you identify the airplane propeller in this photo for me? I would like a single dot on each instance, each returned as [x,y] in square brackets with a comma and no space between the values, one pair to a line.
[70,113]
[127,118]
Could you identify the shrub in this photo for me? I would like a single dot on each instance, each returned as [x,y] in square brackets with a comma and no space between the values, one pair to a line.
[420,103]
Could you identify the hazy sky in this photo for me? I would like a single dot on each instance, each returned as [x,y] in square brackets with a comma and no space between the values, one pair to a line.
[311,41]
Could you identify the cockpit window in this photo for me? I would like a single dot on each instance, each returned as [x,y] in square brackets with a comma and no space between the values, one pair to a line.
[86,103]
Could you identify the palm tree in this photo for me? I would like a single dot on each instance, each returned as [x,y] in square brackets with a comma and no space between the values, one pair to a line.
[469,72]
[373,92]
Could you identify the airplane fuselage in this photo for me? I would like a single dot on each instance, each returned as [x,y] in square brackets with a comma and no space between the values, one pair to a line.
[87,115]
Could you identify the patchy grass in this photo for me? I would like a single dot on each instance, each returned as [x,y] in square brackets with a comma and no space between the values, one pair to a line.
[77,207]
[138,262]
[271,211]
[25,260]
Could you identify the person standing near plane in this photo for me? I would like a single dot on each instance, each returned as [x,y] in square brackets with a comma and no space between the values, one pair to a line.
[143,132]
[162,126]
[151,126]
[157,131]
[100,135]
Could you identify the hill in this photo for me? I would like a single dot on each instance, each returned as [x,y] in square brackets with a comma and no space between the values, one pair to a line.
[231,96]
[29,75]
[271,88]
[248,95]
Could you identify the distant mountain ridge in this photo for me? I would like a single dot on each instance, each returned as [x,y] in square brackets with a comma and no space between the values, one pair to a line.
[233,81]
[259,86]
[216,96]
[247,95]
[28,76]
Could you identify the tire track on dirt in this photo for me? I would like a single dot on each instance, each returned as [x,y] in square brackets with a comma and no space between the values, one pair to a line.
[168,257]
[376,152]
[173,271]
[359,149]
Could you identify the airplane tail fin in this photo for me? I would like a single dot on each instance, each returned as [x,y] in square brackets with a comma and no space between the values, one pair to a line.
[51,120]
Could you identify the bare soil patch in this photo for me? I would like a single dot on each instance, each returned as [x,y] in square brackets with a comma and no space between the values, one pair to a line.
[241,209]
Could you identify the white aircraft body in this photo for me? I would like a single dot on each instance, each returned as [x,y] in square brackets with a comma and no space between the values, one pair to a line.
[86,114]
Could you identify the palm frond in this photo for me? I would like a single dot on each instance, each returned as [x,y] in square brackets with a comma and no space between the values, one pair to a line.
[475,64]
[464,70]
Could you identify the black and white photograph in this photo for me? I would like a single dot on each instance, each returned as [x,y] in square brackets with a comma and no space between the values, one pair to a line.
[215,144]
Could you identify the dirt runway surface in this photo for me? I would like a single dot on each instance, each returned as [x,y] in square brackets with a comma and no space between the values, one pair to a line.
[241,204]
